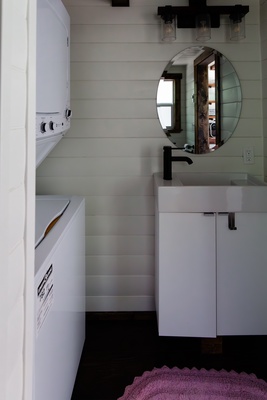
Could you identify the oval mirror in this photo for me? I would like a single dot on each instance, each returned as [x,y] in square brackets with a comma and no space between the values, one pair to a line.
[199,100]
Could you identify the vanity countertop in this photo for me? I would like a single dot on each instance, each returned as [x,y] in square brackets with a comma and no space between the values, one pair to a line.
[210,192]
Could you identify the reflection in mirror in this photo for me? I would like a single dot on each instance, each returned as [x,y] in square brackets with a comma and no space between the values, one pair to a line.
[199,100]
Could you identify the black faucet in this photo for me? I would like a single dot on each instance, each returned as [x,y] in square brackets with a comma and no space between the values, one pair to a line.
[167,161]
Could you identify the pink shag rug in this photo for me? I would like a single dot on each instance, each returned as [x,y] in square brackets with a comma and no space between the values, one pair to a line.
[193,384]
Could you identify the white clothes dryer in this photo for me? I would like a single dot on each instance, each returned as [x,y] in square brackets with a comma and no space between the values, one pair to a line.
[52,76]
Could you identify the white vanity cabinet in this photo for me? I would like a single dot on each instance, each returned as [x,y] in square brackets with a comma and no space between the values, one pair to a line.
[186,287]
[242,275]
[211,280]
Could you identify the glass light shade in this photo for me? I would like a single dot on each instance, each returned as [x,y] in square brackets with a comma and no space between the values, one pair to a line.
[168,30]
[237,28]
[203,28]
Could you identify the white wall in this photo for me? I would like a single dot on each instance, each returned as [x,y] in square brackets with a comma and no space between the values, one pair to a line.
[17,186]
[115,143]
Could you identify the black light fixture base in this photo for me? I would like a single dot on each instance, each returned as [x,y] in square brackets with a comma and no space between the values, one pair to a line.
[120,3]
[186,16]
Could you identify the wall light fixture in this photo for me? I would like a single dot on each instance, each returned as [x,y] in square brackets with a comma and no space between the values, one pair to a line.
[202,17]
[168,25]
[237,24]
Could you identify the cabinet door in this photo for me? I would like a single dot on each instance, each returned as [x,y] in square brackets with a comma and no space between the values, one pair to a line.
[242,275]
[186,275]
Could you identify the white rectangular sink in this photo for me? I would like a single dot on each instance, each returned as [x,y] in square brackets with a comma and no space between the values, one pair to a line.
[217,179]
[210,192]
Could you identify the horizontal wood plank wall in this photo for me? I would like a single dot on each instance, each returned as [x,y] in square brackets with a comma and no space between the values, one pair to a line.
[115,142]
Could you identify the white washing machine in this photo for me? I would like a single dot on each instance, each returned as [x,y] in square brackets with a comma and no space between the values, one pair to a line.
[59,295]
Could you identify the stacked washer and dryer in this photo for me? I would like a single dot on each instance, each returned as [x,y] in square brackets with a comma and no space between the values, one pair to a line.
[60,221]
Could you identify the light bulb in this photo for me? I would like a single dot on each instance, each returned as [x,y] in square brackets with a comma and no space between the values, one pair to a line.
[168,28]
[203,27]
[236,28]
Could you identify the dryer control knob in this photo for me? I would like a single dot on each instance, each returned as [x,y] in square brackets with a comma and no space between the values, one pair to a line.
[52,125]
[43,127]
[68,113]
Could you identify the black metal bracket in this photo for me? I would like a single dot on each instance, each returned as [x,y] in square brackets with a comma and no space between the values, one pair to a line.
[186,15]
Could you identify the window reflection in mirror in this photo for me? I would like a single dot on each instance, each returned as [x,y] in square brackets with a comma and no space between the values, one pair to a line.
[199,100]
[165,103]
[169,102]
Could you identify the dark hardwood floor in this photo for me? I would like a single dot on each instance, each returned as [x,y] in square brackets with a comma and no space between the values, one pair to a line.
[121,346]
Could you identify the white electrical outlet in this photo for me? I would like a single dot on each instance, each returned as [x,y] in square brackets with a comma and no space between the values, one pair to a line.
[248,155]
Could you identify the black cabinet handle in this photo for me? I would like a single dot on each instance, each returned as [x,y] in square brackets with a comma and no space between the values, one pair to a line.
[231,222]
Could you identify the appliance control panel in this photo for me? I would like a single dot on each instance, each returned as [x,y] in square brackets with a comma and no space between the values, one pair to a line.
[52,124]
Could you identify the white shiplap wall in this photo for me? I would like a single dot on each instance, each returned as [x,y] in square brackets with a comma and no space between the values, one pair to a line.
[115,142]
[17,189]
